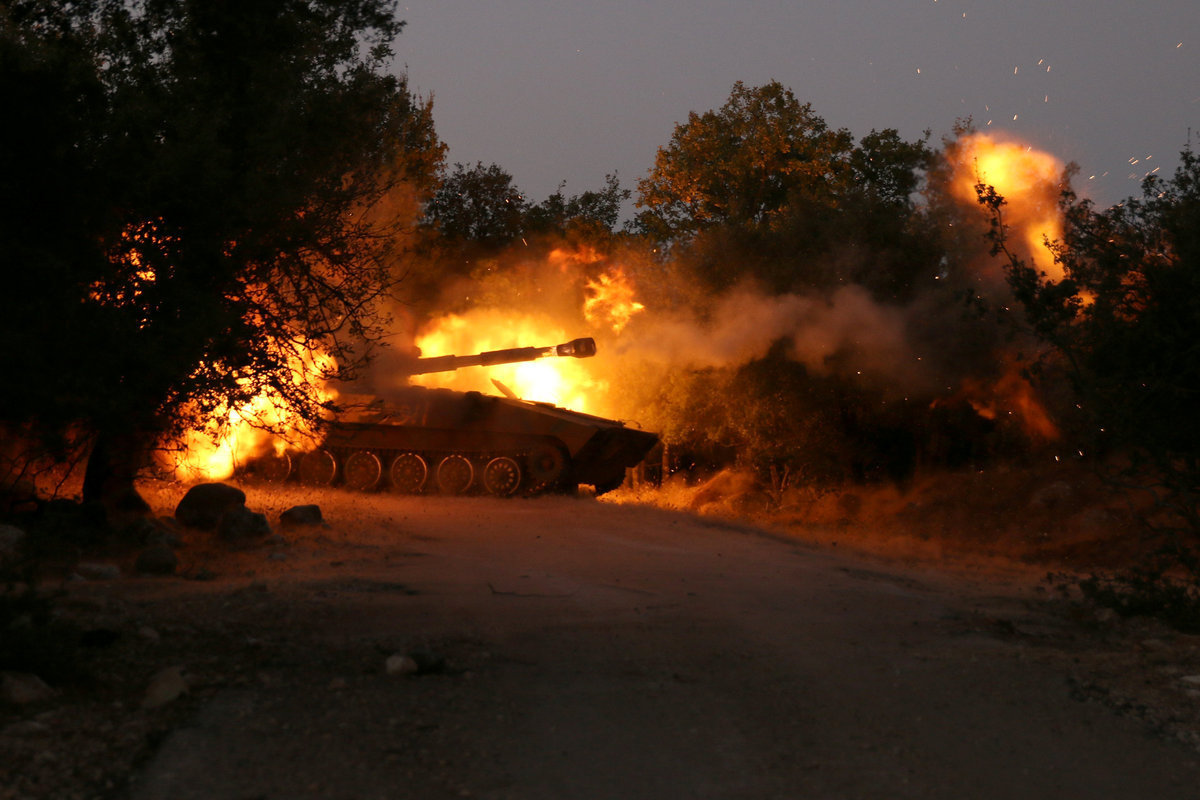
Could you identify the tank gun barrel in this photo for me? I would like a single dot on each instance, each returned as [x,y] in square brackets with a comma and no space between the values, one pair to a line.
[576,348]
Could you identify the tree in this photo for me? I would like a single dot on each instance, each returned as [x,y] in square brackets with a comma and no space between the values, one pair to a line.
[764,188]
[592,212]
[1123,324]
[243,172]
[478,205]
[742,164]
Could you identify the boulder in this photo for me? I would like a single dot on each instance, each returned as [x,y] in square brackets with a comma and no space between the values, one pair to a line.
[166,686]
[415,662]
[20,688]
[240,525]
[401,664]
[204,505]
[297,516]
[150,530]
[97,571]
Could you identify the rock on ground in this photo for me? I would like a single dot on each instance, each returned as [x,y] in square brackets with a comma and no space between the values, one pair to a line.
[297,516]
[242,525]
[204,505]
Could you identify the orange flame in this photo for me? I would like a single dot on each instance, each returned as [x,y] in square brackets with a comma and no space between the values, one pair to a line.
[1012,396]
[567,259]
[1028,179]
[539,311]
[564,382]
[610,300]
[233,434]
[238,434]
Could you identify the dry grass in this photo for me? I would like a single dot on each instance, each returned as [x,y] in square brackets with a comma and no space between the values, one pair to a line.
[1057,516]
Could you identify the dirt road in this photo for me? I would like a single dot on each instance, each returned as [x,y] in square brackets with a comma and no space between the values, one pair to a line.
[594,650]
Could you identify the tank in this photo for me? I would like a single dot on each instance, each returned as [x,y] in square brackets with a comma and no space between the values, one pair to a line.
[451,442]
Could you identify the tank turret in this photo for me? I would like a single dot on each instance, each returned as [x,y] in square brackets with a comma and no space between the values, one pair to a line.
[449,442]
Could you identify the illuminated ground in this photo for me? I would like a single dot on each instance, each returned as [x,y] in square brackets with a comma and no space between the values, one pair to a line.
[597,650]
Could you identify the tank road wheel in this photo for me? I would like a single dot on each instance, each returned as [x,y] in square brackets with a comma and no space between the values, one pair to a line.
[408,473]
[362,471]
[275,468]
[455,474]
[502,476]
[546,464]
[318,468]
[270,468]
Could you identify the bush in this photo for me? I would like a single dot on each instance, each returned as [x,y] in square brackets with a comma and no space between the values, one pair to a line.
[1166,588]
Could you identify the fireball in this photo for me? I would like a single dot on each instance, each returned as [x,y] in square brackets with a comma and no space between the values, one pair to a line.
[611,300]
[1028,179]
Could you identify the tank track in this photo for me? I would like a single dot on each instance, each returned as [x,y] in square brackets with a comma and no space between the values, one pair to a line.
[538,470]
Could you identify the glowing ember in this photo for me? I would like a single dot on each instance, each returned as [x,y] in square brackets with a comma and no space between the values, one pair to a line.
[610,300]
[1028,179]
[134,257]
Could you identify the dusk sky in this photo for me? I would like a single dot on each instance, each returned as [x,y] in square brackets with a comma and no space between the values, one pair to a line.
[558,91]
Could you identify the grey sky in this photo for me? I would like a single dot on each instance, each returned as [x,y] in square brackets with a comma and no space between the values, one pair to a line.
[555,91]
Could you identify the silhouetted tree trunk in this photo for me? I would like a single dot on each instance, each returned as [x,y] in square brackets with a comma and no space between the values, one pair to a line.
[110,476]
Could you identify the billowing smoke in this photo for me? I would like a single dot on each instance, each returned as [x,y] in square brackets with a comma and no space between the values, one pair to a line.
[846,331]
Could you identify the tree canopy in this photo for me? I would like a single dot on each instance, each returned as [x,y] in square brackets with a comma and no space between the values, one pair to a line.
[481,207]
[764,175]
[478,204]
[739,165]
[595,211]
[202,193]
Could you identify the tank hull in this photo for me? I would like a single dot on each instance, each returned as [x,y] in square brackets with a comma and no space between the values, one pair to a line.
[443,441]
